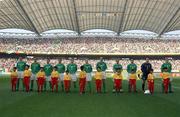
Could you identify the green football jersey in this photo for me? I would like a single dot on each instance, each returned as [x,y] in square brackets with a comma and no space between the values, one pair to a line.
[131,67]
[48,69]
[88,68]
[72,68]
[35,67]
[60,68]
[102,66]
[117,66]
[21,66]
[166,65]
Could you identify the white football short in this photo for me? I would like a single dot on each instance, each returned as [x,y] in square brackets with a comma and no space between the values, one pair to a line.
[20,74]
[88,76]
[73,77]
[33,77]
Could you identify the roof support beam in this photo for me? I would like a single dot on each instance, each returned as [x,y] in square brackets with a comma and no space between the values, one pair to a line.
[76,18]
[166,26]
[28,18]
[122,18]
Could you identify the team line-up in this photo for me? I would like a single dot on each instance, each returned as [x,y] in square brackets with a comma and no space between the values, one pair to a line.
[52,75]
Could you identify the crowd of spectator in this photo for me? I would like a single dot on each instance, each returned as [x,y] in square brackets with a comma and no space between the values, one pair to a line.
[89,45]
[10,62]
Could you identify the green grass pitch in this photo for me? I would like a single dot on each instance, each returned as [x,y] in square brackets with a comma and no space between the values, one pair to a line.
[48,104]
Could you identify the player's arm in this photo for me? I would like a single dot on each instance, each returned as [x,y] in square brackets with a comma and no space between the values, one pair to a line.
[76,68]
[114,70]
[68,67]
[105,66]
[121,67]
[91,68]
[170,67]
[51,68]
[142,67]
[162,66]
[135,67]
[97,65]
[128,68]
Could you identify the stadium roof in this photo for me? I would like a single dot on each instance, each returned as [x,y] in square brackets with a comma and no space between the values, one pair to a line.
[158,16]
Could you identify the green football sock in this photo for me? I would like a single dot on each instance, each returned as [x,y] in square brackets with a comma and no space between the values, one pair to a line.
[50,85]
[162,87]
[17,85]
[62,85]
[74,84]
[89,86]
[170,87]
[104,86]
[32,84]
[45,86]
[23,86]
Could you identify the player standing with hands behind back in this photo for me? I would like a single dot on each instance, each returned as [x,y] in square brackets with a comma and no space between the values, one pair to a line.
[35,67]
[103,67]
[117,67]
[131,69]
[88,70]
[48,68]
[145,68]
[20,70]
[167,65]
[61,69]
[72,69]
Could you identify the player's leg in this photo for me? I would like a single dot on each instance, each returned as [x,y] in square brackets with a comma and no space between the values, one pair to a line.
[162,87]
[38,84]
[49,82]
[84,85]
[129,84]
[88,79]
[80,85]
[170,86]
[33,78]
[120,85]
[18,82]
[27,84]
[12,85]
[17,85]
[61,81]
[45,83]
[116,85]
[144,77]
[149,85]
[56,84]
[166,86]
[152,88]
[104,82]
[52,84]
[66,85]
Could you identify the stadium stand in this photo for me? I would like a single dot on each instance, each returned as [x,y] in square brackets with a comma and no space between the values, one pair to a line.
[89,45]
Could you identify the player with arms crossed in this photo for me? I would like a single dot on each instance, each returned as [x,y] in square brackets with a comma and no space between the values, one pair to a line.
[167,65]
[117,67]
